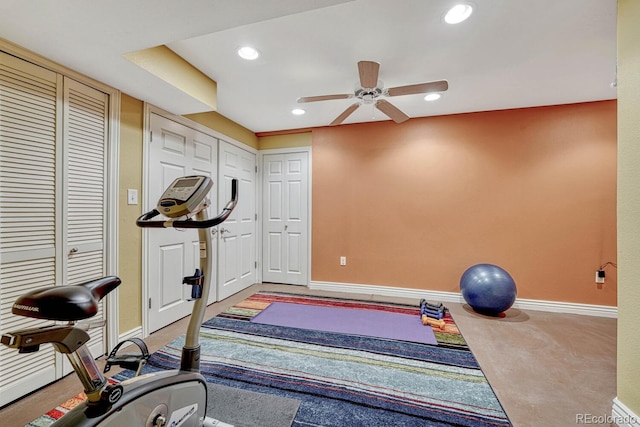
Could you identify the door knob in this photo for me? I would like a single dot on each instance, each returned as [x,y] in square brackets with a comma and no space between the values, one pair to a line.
[73,251]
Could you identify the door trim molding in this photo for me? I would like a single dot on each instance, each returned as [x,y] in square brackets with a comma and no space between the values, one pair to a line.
[146,142]
[113,207]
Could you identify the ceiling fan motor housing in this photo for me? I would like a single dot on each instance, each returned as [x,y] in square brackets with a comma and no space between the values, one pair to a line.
[368,95]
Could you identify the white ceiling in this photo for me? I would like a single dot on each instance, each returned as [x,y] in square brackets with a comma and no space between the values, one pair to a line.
[509,54]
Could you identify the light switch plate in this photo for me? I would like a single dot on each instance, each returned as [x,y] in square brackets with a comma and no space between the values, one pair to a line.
[132,196]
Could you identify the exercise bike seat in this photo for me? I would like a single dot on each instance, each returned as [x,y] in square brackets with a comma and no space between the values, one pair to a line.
[65,303]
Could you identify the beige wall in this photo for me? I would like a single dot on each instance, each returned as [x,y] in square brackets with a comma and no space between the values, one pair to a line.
[303,139]
[629,204]
[130,236]
[167,65]
[220,123]
[414,205]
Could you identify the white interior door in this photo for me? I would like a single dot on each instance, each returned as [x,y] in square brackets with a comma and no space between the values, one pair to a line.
[237,268]
[285,238]
[175,150]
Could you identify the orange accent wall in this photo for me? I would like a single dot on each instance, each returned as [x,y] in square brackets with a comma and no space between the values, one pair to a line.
[413,205]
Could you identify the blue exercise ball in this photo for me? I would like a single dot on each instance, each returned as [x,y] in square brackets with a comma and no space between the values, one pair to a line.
[488,288]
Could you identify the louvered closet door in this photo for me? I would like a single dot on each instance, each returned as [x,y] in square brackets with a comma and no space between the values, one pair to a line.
[28,103]
[85,137]
[53,134]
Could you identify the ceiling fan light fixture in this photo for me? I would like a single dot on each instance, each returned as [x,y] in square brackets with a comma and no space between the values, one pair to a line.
[248,53]
[458,13]
[432,96]
[298,111]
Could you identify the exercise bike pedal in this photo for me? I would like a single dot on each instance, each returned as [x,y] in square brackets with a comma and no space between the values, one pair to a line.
[134,362]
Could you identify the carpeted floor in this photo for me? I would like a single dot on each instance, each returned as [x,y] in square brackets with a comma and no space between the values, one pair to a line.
[339,379]
[544,367]
[345,379]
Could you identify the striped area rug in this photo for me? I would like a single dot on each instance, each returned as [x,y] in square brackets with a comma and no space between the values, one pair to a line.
[345,380]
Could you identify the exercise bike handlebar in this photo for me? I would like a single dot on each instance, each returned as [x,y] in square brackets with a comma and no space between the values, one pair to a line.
[144,220]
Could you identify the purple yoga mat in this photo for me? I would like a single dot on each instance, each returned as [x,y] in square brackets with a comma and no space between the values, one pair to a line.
[371,323]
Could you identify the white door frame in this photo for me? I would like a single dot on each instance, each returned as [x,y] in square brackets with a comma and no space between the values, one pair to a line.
[148,110]
[263,153]
[112,334]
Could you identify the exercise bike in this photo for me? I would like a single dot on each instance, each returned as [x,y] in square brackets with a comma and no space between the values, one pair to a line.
[168,398]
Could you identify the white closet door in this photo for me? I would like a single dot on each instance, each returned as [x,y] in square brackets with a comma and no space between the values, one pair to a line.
[85,140]
[175,150]
[237,268]
[285,241]
[28,115]
[53,137]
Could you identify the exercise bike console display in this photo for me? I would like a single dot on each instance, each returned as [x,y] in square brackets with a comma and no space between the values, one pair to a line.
[184,195]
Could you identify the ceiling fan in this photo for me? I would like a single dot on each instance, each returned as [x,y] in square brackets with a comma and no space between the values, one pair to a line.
[371,89]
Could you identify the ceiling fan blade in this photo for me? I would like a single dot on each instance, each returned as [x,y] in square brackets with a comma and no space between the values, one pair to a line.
[323,98]
[391,110]
[437,86]
[368,73]
[346,113]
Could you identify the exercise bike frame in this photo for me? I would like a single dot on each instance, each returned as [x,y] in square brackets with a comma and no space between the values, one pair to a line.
[190,360]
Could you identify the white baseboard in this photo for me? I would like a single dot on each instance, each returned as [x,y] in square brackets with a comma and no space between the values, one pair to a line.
[387,291]
[133,333]
[441,296]
[622,416]
[567,307]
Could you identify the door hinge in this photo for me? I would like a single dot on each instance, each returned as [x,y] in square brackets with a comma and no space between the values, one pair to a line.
[256,217]
[256,168]
[149,303]
[150,135]
[255,264]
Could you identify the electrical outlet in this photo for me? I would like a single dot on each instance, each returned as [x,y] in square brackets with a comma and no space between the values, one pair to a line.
[600,276]
[343,260]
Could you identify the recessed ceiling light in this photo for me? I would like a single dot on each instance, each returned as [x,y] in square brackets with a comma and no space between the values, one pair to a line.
[458,13]
[249,53]
[298,111]
[432,96]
